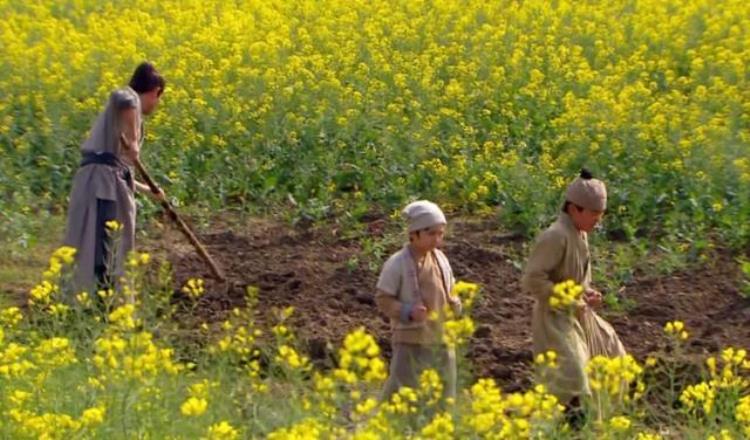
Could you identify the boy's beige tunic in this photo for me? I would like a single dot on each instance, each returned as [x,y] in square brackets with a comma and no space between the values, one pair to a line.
[103,182]
[561,253]
[417,345]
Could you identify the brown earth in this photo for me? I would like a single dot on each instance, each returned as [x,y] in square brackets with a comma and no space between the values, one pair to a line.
[327,280]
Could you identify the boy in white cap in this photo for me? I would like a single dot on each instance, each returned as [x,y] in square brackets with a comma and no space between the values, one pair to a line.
[562,253]
[414,285]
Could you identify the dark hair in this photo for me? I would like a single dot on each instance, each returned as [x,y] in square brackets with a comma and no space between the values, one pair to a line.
[146,78]
[418,232]
[586,174]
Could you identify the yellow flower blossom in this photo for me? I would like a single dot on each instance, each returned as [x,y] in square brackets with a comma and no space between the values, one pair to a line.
[10,317]
[93,416]
[565,295]
[194,407]
[457,331]
[136,260]
[441,427]
[290,358]
[742,413]
[222,431]
[676,329]
[359,359]
[547,359]
[122,317]
[194,288]
[466,292]
[620,423]
[113,226]
[648,436]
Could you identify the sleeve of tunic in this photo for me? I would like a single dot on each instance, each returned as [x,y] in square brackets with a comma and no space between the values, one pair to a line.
[546,255]
[453,301]
[126,105]
[123,100]
[389,284]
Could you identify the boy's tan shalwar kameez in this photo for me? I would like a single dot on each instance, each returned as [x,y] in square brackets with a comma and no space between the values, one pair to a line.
[561,253]
[417,346]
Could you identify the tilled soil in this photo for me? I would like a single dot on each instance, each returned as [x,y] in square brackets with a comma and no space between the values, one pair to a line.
[327,280]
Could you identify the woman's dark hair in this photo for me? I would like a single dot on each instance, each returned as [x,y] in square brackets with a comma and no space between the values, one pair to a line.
[146,78]
[586,174]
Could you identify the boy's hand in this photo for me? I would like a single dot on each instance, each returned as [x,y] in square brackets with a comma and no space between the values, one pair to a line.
[580,310]
[593,298]
[418,313]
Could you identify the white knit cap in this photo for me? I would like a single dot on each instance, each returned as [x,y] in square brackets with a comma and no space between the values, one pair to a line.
[423,214]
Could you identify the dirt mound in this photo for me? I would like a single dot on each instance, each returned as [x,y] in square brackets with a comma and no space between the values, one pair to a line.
[326,280]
